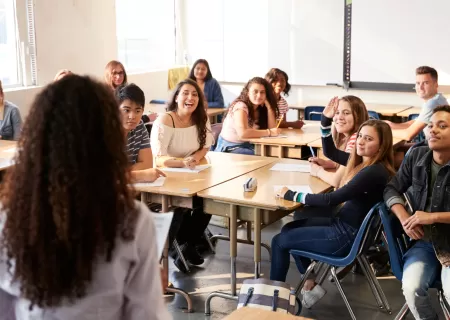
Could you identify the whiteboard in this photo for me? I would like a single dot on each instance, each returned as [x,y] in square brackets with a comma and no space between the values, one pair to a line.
[242,39]
[390,39]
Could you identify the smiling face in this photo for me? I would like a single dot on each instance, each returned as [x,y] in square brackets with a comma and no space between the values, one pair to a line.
[187,99]
[200,71]
[257,94]
[367,142]
[279,85]
[344,120]
[117,76]
[131,114]
[439,131]
[426,86]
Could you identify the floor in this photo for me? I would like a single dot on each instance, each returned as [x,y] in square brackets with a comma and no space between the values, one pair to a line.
[214,275]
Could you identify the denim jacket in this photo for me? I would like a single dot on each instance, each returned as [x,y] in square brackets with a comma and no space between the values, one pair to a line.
[415,171]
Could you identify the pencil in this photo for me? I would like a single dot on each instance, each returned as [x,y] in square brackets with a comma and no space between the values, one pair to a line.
[279,122]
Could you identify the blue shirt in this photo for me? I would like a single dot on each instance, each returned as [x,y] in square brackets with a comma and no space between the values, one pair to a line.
[213,94]
[428,107]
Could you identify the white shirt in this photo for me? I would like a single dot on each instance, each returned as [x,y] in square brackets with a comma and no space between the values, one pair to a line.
[126,288]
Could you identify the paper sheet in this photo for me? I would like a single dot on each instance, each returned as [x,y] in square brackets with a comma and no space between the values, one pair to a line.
[196,170]
[162,224]
[157,183]
[10,150]
[5,163]
[291,167]
[295,188]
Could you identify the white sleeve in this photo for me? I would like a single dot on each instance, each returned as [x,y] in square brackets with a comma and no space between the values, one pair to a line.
[143,286]
[160,138]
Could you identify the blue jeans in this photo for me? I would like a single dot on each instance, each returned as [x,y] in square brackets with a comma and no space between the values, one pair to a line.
[233,147]
[420,270]
[320,235]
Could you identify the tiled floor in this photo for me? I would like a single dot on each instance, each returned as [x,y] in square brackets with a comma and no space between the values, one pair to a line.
[214,275]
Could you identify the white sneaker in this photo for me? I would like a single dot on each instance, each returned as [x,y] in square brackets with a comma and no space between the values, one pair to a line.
[310,297]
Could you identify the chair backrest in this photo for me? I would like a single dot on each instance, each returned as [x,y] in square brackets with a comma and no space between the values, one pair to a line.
[313,112]
[158,101]
[216,129]
[413,116]
[373,115]
[421,136]
[394,236]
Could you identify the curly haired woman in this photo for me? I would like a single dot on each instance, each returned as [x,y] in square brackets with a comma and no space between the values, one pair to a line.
[74,243]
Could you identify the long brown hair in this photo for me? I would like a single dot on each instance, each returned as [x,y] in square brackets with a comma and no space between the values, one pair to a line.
[199,116]
[385,155]
[67,199]
[108,73]
[263,112]
[360,115]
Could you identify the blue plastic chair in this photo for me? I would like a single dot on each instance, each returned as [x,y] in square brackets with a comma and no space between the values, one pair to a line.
[313,112]
[397,243]
[158,101]
[373,115]
[361,243]
[421,136]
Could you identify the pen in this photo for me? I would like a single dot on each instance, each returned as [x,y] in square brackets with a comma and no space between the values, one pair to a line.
[312,151]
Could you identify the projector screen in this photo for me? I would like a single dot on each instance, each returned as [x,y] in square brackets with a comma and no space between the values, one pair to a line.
[390,39]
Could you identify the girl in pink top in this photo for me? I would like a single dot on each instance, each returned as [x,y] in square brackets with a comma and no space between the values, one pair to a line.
[251,115]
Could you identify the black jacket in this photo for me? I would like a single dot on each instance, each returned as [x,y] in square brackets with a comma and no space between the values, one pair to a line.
[415,172]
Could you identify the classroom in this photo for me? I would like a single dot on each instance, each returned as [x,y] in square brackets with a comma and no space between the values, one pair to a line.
[224,159]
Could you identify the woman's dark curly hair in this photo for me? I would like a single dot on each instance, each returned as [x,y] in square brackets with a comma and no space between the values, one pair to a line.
[275,74]
[263,121]
[66,199]
[199,116]
[208,70]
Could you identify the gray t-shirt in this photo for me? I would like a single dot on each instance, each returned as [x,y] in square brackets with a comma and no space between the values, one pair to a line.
[428,107]
[11,125]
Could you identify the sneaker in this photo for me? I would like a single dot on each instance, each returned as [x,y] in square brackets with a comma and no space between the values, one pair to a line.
[310,297]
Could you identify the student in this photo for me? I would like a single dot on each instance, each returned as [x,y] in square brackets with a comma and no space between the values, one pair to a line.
[61,74]
[426,170]
[180,139]
[251,115]
[340,120]
[115,74]
[10,119]
[131,101]
[280,83]
[427,90]
[369,168]
[201,73]
[74,242]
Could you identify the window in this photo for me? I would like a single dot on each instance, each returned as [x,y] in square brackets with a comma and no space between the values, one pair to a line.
[145,34]
[17,54]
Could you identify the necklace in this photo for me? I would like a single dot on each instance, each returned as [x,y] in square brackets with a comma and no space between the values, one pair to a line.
[183,122]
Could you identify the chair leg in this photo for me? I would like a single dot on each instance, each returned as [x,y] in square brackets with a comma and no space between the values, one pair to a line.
[403,312]
[305,276]
[444,304]
[208,240]
[323,276]
[341,291]
[180,254]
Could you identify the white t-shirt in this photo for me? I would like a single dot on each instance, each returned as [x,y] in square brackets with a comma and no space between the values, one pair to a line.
[126,288]
[428,107]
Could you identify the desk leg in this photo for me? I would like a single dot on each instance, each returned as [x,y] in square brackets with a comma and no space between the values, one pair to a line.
[233,254]
[280,151]
[263,150]
[257,246]
[165,259]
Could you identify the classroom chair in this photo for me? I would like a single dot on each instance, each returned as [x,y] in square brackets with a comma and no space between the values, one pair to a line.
[397,243]
[158,101]
[421,136]
[313,112]
[357,253]
[216,129]
[373,115]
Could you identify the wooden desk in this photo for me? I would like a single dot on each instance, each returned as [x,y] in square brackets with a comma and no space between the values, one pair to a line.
[290,147]
[260,207]
[180,188]
[409,111]
[246,313]
[7,152]
[161,108]
[388,110]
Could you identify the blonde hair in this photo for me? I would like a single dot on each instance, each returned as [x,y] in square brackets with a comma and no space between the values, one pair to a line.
[108,73]
[360,115]
[385,155]
[61,74]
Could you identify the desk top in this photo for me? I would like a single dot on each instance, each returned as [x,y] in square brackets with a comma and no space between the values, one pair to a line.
[295,137]
[264,196]
[161,108]
[409,111]
[7,152]
[260,314]
[225,166]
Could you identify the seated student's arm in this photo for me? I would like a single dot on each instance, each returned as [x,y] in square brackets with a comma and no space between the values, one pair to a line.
[412,131]
[147,175]
[16,123]
[329,148]
[363,182]
[332,178]
[240,120]
[291,124]
[399,126]
[217,101]
[144,159]
[200,154]
[143,295]
[271,117]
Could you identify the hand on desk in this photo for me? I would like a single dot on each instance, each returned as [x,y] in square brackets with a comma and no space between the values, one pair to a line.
[190,162]
[326,164]
[274,132]
[149,175]
[280,193]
